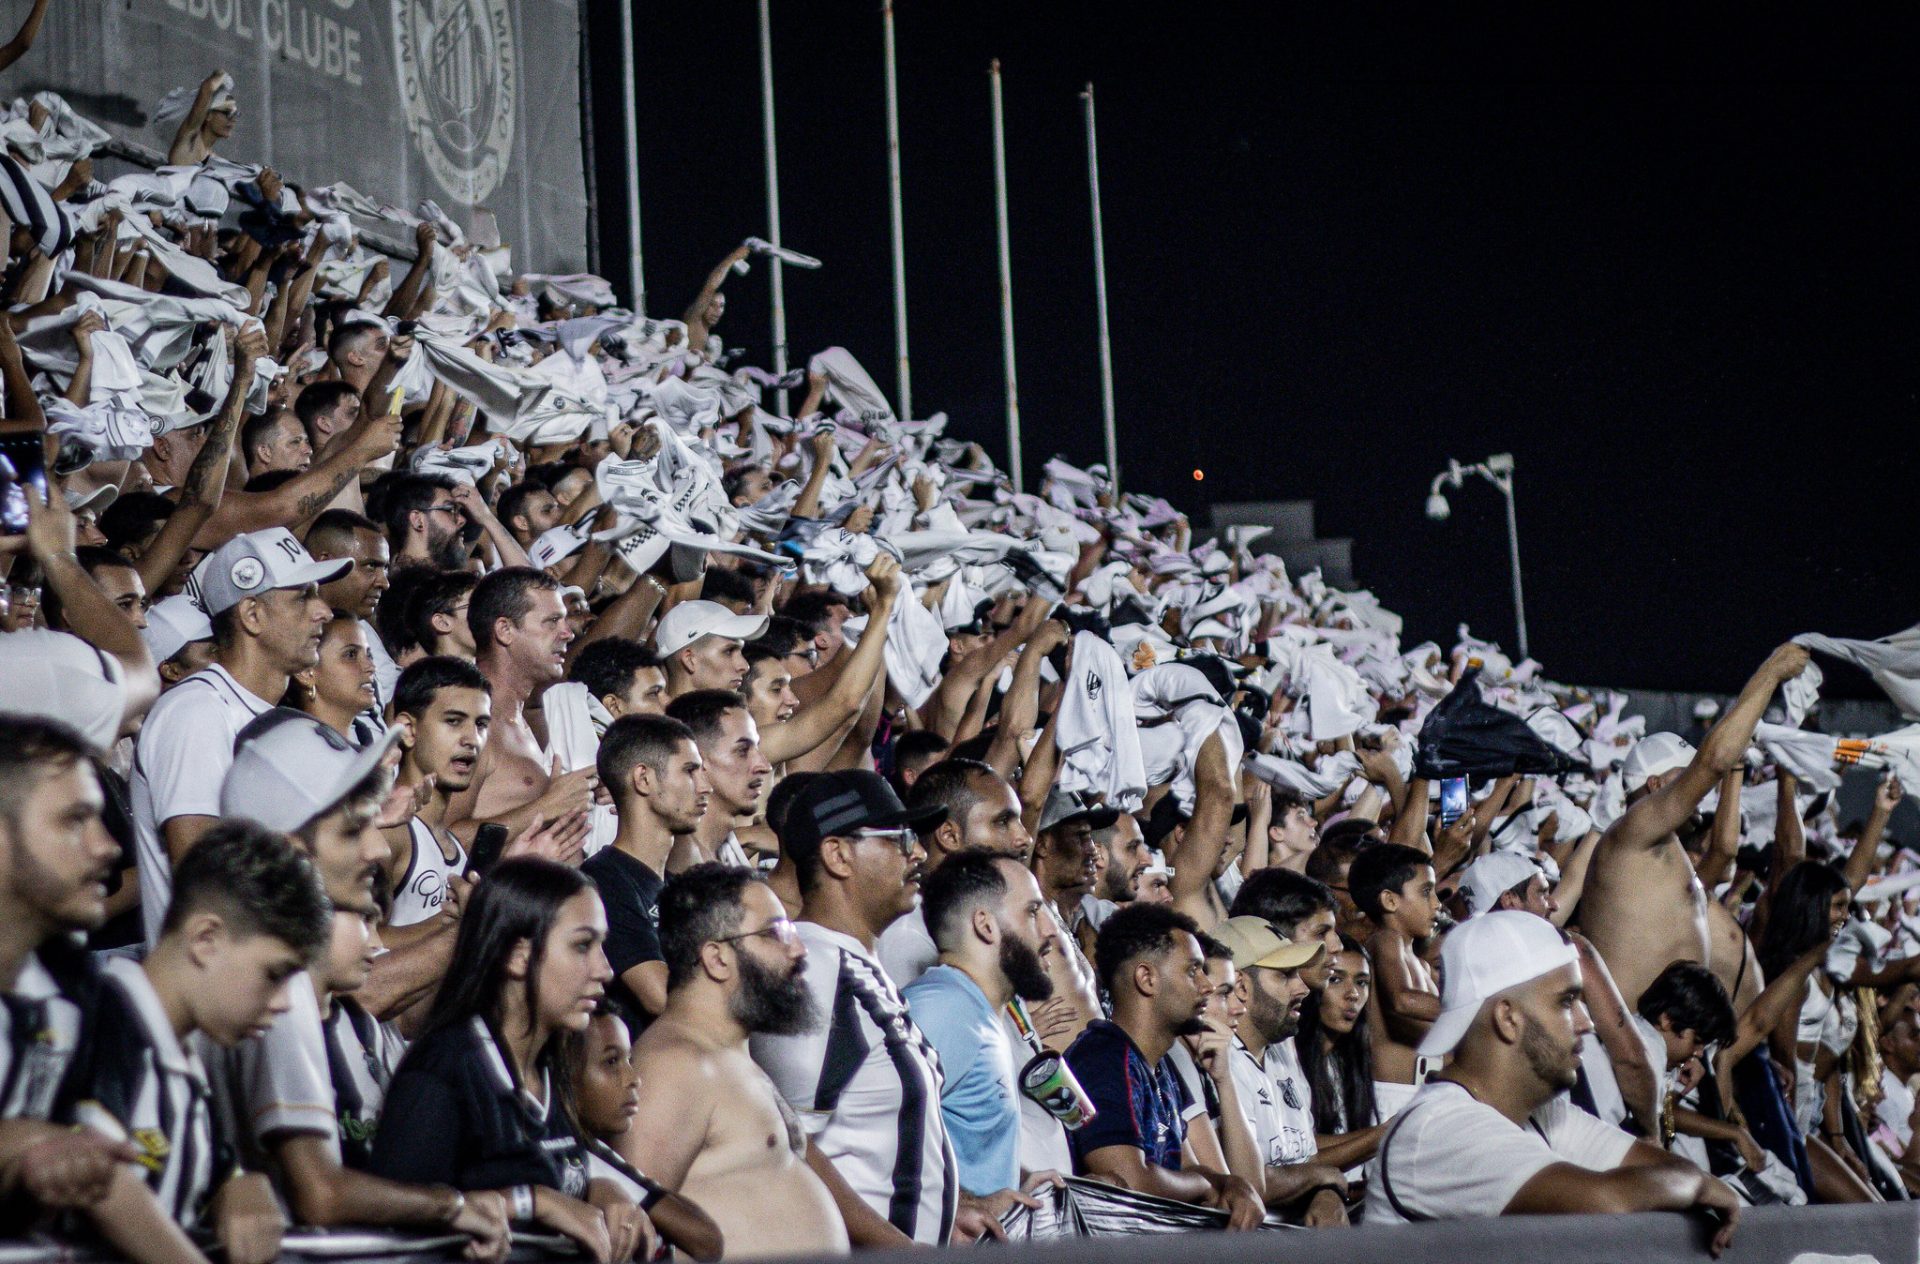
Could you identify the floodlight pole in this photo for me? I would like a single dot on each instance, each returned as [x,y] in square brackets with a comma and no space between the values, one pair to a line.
[773,202]
[1006,281]
[1100,297]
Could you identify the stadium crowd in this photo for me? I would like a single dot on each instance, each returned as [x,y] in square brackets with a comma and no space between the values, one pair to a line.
[469,764]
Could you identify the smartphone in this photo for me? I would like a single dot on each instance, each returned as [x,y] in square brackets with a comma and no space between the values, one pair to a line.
[1453,800]
[23,465]
[488,842]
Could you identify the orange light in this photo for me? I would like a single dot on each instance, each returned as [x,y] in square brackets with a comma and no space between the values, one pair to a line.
[1199,476]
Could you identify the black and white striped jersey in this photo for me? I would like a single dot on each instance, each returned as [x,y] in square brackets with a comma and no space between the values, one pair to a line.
[40,1028]
[866,1086]
[137,1083]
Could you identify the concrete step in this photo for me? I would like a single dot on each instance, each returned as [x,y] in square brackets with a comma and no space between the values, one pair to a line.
[1291,520]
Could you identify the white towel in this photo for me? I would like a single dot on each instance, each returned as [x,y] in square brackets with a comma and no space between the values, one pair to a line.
[575,723]
[1098,736]
[1892,661]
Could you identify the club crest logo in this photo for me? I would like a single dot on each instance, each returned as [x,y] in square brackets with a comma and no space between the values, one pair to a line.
[247,573]
[459,85]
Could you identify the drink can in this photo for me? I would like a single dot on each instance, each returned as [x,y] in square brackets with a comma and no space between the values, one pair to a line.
[1048,1079]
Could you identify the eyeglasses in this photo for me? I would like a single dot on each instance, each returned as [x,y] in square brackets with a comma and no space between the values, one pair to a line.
[905,839]
[451,510]
[780,928]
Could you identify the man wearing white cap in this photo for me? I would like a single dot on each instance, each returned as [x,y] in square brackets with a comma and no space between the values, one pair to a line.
[1620,1078]
[1494,1133]
[700,642]
[180,638]
[261,593]
[1643,907]
[275,1096]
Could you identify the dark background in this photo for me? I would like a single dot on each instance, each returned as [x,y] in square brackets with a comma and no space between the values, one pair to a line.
[1666,259]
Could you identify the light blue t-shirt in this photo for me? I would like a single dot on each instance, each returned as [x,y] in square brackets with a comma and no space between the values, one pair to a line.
[979,1099]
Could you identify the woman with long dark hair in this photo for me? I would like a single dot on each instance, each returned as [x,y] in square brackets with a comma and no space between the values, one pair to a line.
[1810,907]
[1336,1055]
[478,1103]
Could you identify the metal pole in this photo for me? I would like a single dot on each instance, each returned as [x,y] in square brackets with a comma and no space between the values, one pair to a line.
[1006,281]
[773,200]
[636,282]
[1100,296]
[1513,556]
[899,240]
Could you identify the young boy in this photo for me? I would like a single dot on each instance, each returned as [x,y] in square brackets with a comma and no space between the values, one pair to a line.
[442,708]
[247,914]
[1394,886]
[362,1051]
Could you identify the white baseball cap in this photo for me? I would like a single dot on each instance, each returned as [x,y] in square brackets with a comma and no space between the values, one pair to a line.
[1484,957]
[58,676]
[289,768]
[691,620]
[1652,755]
[173,623]
[255,563]
[1487,878]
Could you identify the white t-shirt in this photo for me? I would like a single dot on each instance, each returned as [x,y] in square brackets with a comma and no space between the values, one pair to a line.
[906,950]
[1274,1097]
[182,756]
[866,1087]
[1448,1157]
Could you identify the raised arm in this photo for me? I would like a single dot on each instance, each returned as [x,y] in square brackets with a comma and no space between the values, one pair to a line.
[302,499]
[1020,709]
[823,717]
[1653,818]
[90,614]
[1410,827]
[16,48]
[820,448]
[181,151]
[942,711]
[1206,835]
[206,481]
[696,318]
[407,294]
[1723,841]
[1860,864]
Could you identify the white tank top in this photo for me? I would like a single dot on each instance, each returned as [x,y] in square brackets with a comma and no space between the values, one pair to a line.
[423,888]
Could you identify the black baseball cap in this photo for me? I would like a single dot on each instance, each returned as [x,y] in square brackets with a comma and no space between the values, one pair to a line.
[836,804]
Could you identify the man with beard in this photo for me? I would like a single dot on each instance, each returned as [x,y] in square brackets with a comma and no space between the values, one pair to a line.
[55,858]
[994,935]
[425,524]
[261,592]
[1121,856]
[729,744]
[274,1095]
[520,625]
[866,1085]
[1151,963]
[1271,981]
[658,780]
[709,1123]
[1495,1133]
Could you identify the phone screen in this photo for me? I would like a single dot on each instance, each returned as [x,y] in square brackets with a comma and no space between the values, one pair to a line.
[488,842]
[1453,800]
[23,464]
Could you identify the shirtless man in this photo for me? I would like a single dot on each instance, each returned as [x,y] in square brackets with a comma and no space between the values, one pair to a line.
[519,623]
[711,1124]
[1644,907]
[1394,886]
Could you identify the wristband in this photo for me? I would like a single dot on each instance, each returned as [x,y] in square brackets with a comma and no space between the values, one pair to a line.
[521,1197]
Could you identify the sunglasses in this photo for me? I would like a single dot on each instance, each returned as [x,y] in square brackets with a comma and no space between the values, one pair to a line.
[905,839]
[782,930]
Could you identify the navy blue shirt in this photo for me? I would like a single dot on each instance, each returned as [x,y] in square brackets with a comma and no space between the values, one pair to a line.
[1139,1104]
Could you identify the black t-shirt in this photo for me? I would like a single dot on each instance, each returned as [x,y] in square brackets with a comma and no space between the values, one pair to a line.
[631,893]
[455,1115]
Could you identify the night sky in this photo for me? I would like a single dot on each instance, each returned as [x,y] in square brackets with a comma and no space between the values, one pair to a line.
[1666,260]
